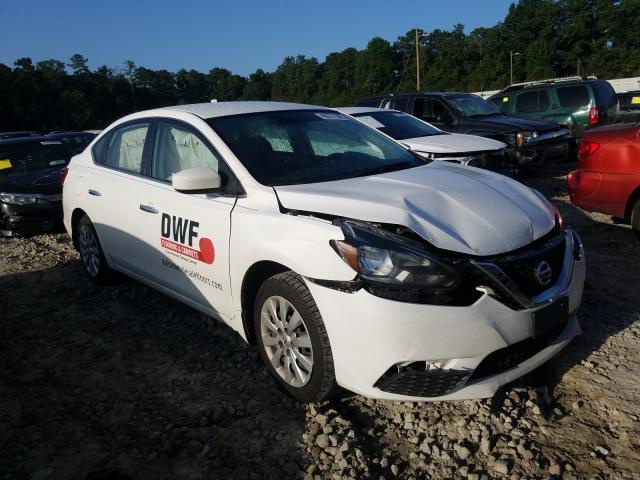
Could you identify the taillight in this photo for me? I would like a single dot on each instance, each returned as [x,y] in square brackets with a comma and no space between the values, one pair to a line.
[63,175]
[593,116]
[586,148]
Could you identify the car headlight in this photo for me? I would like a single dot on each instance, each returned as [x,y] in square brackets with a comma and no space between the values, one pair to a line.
[392,267]
[18,198]
[523,138]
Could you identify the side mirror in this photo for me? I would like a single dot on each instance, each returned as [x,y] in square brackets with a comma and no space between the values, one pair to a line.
[196,180]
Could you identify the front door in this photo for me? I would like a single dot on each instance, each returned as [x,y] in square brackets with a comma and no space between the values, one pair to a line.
[186,234]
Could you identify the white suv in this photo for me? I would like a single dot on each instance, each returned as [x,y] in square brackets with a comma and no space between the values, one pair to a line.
[346,258]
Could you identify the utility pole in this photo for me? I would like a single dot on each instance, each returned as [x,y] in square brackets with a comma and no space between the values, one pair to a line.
[578,67]
[417,60]
[511,64]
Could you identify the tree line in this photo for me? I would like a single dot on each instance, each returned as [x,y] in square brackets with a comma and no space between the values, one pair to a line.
[553,38]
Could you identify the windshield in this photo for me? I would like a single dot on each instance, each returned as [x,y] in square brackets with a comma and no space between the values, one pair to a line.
[32,156]
[398,125]
[471,105]
[302,146]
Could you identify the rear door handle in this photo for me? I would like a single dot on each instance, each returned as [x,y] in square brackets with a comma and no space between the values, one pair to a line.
[148,208]
[95,193]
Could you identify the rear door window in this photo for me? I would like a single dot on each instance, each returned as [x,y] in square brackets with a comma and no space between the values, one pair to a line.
[573,97]
[126,146]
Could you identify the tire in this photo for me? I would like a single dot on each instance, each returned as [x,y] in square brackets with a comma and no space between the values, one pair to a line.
[93,260]
[635,219]
[287,354]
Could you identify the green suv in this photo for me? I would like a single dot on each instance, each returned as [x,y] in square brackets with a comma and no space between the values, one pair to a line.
[573,102]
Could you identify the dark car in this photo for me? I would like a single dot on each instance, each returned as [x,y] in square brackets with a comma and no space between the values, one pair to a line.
[30,187]
[17,134]
[573,102]
[629,106]
[531,142]
[77,141]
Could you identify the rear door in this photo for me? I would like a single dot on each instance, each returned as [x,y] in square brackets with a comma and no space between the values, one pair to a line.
[186,235]
[111,190]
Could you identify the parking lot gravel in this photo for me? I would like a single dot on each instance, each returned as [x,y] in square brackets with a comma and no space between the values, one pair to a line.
[121,382]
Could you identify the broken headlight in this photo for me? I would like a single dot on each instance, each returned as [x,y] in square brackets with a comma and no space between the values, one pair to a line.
[393,267]
[522,138]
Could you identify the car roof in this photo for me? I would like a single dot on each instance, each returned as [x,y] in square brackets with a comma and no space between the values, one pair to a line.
[541,85]
[221,109]
[67,134]
[356,110]
[38,139]
[421,92]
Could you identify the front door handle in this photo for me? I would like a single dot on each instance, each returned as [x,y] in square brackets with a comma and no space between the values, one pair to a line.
[95,193]
[148,208]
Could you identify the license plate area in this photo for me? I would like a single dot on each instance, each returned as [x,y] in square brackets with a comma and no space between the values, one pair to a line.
[550,318]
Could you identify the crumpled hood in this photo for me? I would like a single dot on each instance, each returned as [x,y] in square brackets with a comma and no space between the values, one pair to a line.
[457,208]
[452,143]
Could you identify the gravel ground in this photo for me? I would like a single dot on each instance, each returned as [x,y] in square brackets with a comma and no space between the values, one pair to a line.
[123,383]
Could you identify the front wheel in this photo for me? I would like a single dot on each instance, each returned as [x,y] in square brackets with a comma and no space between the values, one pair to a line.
[292,338]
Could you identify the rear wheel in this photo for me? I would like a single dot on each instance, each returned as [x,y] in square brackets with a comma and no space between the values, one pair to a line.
[635,218]
[93,260]
[292,338]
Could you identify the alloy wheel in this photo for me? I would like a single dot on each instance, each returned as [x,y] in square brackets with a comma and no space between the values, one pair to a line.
[89,251]
[286,341]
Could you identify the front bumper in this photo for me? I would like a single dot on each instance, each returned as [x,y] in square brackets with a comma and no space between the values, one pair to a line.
[372,336]
[17,220]
[546,149]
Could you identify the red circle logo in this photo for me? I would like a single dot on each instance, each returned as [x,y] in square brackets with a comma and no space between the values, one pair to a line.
[207,252]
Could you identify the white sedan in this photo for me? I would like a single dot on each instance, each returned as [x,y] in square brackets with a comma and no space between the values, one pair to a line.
[433,143]
[346,258]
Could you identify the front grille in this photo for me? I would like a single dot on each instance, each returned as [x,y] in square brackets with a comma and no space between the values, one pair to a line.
[521,269]
[495,160]
[491,160]
[513,355]
[415,381]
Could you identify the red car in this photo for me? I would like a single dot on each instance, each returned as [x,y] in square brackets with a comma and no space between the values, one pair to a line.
[607,179]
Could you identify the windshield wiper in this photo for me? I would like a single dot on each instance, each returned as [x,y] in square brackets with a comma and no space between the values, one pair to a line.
[390,168]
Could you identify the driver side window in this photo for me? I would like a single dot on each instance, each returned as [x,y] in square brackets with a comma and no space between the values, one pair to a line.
[178,147]
[429,110]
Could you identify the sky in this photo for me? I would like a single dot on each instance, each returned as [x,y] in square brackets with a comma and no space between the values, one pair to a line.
[241,36]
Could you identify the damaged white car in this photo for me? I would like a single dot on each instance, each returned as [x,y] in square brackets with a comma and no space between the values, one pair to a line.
[349,260]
